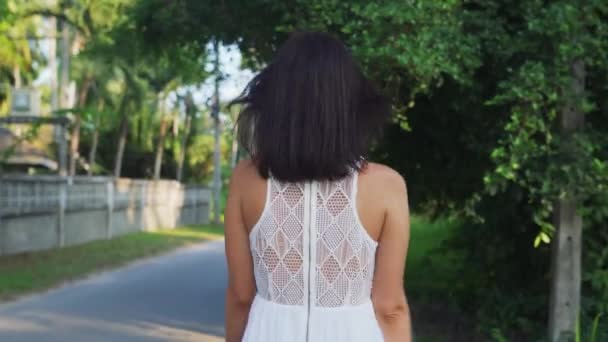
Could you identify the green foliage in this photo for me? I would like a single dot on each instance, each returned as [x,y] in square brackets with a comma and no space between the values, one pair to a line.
[200,157]
[593,333]
[121,79]
[512,144]
[498,336]
[594,328]
[431,282]
[427,238]
[16,52]
[477,88]
[532,153]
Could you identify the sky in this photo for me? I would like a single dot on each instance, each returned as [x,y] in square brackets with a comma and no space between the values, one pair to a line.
[233,84]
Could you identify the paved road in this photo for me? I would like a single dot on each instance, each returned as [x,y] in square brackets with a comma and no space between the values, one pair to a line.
[175,297]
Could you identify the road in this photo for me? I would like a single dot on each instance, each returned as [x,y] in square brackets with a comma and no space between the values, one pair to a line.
[174,297]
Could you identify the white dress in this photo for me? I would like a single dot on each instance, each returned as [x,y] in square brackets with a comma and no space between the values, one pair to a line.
[313,264]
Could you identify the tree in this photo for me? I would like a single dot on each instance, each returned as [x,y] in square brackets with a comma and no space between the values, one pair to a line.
[17,58]
[477,88]
[190,112]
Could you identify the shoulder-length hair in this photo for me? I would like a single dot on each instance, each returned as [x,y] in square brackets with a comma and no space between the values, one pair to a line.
[310,114]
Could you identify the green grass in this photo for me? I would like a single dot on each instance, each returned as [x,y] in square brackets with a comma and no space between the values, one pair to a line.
[430,269]
[29,272]
[430,277]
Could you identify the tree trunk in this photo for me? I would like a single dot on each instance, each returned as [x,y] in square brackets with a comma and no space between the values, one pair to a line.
[63,97]
[122,141]
[17,75]
[235,149]
[75,140]
[182,155]
[160,148]
[93,151]
[64,79]
[566,258]
[190,113]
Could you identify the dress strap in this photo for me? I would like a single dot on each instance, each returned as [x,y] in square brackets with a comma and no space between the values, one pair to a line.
[354,179]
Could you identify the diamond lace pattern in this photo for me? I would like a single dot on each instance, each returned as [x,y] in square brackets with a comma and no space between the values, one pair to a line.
[344,254]
[277,246]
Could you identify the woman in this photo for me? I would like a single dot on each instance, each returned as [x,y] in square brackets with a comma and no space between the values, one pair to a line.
[316,236]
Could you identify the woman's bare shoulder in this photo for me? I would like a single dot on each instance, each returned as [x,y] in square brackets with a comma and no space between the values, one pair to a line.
[244,171]
[245,177]
[381,193]
[250,188]
[383,178]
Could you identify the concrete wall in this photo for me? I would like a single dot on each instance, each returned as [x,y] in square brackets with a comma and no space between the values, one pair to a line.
[47,212]
[85,225]
[27,233]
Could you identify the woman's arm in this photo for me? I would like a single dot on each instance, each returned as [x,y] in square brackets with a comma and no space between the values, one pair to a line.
[388,295]
[241,283]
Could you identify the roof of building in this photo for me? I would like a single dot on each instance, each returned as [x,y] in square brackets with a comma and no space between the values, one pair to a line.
[15,152]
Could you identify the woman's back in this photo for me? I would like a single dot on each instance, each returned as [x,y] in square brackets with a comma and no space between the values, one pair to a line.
[311,252]
[316,236]
[309,247]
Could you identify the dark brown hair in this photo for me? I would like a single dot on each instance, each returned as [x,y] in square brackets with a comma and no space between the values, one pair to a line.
[311,113]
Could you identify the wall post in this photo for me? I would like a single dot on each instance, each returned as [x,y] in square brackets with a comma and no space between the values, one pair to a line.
[62,199]
[109,208]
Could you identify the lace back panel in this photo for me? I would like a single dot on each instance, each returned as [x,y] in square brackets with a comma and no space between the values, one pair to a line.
[345,254]
[342,253]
